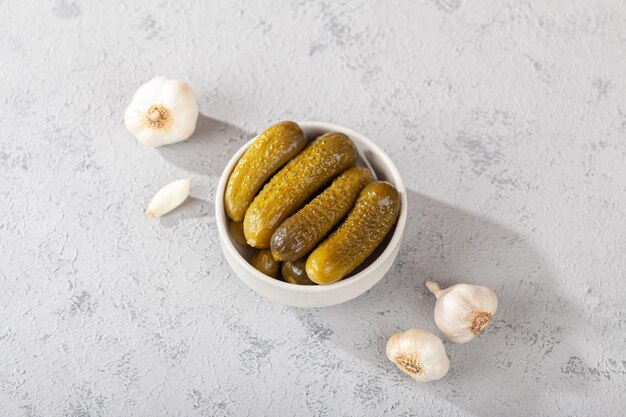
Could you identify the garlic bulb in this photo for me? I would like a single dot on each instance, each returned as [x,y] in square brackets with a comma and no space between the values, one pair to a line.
[419,354]
[162,112]
[463,311]
[168,198]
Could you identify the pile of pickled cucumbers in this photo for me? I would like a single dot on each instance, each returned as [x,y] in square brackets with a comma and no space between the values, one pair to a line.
[311,215]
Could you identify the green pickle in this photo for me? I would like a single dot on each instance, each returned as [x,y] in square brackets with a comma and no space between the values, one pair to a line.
[263,261]
[236,231]
[300,233]
[294,272]
[270,151]
[292,186]
[374,214]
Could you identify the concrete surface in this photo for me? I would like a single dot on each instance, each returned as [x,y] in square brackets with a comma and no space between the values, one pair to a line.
[506,118]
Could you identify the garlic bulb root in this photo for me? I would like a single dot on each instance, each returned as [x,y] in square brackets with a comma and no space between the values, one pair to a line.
[419,354]
[168,198]
[411,363]
[463,311]
[479,321]
[158,117]
[162,111]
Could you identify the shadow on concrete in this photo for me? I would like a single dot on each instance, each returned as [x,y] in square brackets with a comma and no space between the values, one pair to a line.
[209,149]
[192,208]
[517,364]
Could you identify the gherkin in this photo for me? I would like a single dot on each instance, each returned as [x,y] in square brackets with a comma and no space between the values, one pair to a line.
[263,261]
[236,231]
[290,188]
[374,214]
[268,153]
[294,272]
[300,233]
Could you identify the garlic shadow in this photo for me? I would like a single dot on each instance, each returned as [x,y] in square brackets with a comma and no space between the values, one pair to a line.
[192,208]
[209,149]
[517,364]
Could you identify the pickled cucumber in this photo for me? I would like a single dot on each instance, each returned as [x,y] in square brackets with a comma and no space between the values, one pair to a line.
[300,233]
[270,151]
[292,186]
[294,272]
[263,261]
[236,231]
[374,214]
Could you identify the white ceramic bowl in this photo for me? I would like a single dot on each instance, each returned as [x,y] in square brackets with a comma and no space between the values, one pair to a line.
[361,280]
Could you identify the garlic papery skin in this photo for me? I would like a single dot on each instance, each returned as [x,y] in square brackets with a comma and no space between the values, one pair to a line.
[162,111]
[168,198]
[419,354]
[463,311]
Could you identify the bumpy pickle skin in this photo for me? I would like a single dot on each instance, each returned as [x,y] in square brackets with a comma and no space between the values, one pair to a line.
[292,186]
[300,233]
[271,150]
[374,214]
[294,272]
[236,231]
[263,261]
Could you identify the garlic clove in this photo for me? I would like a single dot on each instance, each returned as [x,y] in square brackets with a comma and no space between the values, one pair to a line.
[419,354]
[463,311]
[162,111]
[168,198]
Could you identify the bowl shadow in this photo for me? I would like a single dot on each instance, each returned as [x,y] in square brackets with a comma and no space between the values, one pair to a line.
[519,363]
[209,149]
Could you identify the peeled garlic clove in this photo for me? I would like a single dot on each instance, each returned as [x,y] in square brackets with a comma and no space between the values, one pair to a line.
[168,198]
[419,354]
[162,111]
[463,311]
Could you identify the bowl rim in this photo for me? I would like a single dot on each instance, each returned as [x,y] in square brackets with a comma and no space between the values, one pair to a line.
[222,219]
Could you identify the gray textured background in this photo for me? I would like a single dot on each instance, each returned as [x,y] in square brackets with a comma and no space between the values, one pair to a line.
[507,120]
